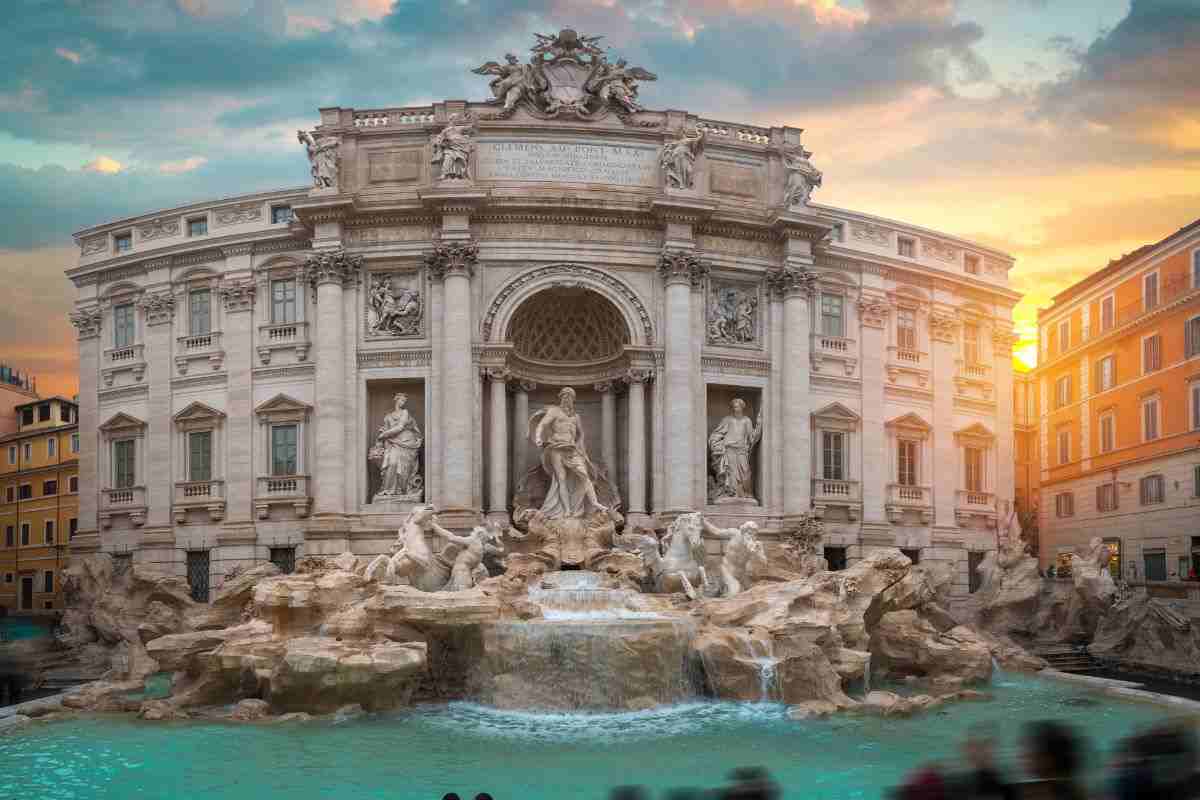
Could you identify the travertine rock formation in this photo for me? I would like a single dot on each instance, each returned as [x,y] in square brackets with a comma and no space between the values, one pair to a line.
[1147,632]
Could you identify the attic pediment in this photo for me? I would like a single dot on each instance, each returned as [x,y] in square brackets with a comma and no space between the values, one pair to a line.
[976,432]
[836,415]
[281,406]
[197,411]
[122,422]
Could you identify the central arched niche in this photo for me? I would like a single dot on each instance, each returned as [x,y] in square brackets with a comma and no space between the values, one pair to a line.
[568,325]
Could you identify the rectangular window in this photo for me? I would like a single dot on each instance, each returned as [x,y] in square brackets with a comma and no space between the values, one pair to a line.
[973,458]
[971,344]
[971,264]
[48,581]
[51,447]
[906,247]
[1064,336]
[49,488]
[124,466]
[1150,419]
[25,533]
[199,312]
[836,558]
[1152,489]
[1150,291]
[200,456]
[1191,337]
[1196,269]
[283,301]
[1064,504]
[1195,394]
[1156,564]
[10,494]
[1106,373]
[1108,432]
[12,455]
[49,534]
[44,412]
[832,323]
[838,234]
[27,452]
[123,242]
[284,558]
[74,442]
[1151,353]
[906,472]
[72,527]
[906,329]
[833,461]
[1062,391]
[281,215]
[1106,497]
[27,415]
[913,555]
[198,226]
[124,325]
[73,484]
[26,492]
[283,450]
[1196,481]
[10,535]
[1064,447]
[1107,313]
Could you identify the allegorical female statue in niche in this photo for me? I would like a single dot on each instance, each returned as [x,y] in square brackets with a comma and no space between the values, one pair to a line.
[730,445]
[397,449]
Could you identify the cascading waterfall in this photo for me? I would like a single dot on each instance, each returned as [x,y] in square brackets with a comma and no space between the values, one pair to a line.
[594,648]
[867,676]
[768,677]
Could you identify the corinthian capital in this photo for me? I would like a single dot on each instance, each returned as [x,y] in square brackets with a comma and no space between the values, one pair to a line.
[679,266]
[238,295]
[158,308]
[788,281]
[452,258]
[331,266]
[87,322]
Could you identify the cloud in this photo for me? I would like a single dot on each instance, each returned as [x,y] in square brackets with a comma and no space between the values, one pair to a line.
[105,165]
[186,165]
[34,328]
[69,55]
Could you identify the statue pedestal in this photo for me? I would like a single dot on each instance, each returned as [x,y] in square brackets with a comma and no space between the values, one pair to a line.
[390,505]
[733,503]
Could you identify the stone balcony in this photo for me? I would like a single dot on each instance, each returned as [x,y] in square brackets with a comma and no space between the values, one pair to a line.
[129,501]
[902,361]
[902,498]
[833,350]
[283,336]
[200,495]
[282,490]
[122,359]
[970,504]
[827,493]
[201,347]
[974,376]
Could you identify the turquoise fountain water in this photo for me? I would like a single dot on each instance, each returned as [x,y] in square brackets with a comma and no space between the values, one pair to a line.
[466,748]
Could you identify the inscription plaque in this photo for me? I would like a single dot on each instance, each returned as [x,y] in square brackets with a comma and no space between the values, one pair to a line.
[733,179]
[394,166]
[567,162]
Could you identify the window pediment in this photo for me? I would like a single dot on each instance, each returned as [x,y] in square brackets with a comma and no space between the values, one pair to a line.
[976,435]
[282,408]
[122,423]
[199,414]
[836,416]
[910,426]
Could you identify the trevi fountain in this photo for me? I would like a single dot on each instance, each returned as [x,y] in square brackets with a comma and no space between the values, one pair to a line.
[601,624]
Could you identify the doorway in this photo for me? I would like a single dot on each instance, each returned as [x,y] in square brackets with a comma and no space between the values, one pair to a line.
[26,592]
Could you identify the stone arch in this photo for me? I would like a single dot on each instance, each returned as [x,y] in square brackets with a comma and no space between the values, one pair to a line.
[121,288]
[513,294]
[567,325]
[282,261]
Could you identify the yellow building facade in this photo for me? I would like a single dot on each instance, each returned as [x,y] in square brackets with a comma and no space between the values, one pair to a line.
[39,504]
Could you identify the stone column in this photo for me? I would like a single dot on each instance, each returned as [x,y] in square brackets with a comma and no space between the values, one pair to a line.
[875,466]
[453,264]
[796,285]
[498,446]
[608,427]
[520,429]
[327,272]
[942,474]
[680,269]
[241,473]
[87,322]
[635,504]
[1002,342]
[159,313]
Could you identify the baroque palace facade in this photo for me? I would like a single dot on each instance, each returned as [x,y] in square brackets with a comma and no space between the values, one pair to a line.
[288,373]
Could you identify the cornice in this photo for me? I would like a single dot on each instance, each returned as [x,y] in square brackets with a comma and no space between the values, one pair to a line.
[182,254]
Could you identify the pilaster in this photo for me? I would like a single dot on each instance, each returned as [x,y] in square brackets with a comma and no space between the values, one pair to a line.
[88,323]
[158,311]
[873,311]
[795,284]
[941,473]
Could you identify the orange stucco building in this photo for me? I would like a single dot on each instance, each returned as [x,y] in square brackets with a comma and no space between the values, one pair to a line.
[39,504]
[1026,467]
[1118,382]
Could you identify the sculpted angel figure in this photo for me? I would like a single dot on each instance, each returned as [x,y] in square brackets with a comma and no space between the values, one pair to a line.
[617,84]
[514,81]
[802,178]
[558,431]
[452,148]
[399,439]
[322,158]
[678,159]
[730,445]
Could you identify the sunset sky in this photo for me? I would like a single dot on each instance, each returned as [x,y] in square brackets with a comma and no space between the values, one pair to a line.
[1066,132]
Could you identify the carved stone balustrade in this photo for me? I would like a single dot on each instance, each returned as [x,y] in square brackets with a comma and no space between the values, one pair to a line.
[201,347]
[123,359]
[283,336]
[969,505]
[974,378]
[902,498]
[282,490]
[828,493]
[129,501]
[833,350]
[905,362]
[203,495]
